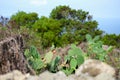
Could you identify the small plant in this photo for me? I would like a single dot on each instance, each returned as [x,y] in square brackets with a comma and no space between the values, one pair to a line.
[48,57]
[53,66]
[52,63]
[95,49]
[73,60]
[34,59]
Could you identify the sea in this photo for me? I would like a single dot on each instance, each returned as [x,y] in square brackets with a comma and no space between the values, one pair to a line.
[109,25]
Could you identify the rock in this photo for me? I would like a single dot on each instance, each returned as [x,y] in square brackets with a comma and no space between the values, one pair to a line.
[90,70]
[11,55]
[71,77]
[33,78]
[84,77]
[104,76]
[93,68]
[60,76]
[46,75]
[54,76]
[15,75]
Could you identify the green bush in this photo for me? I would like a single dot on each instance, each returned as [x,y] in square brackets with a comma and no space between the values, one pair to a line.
[111,39]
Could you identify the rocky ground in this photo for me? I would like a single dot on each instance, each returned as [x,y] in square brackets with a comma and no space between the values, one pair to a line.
[89,70]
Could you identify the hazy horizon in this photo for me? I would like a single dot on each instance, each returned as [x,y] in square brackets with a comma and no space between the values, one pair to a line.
[110,26]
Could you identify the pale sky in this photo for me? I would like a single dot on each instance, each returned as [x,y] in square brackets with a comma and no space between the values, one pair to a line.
[100,9]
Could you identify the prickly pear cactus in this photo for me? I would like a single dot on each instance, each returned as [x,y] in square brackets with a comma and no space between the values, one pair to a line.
[73,59]
[48,57]
[34,59]
[95,49]
[76,53]
[54,64]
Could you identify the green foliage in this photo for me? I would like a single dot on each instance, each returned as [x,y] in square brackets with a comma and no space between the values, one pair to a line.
[76,53]
[48,57]
[60,12]
[73,59]
[34,59]
[95,49]
[64,26]
[24,19]
[73,64]
[65,12]
[30,37]
[54,64]
[75,24]
[49,30]
[111,39]
[68,71]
